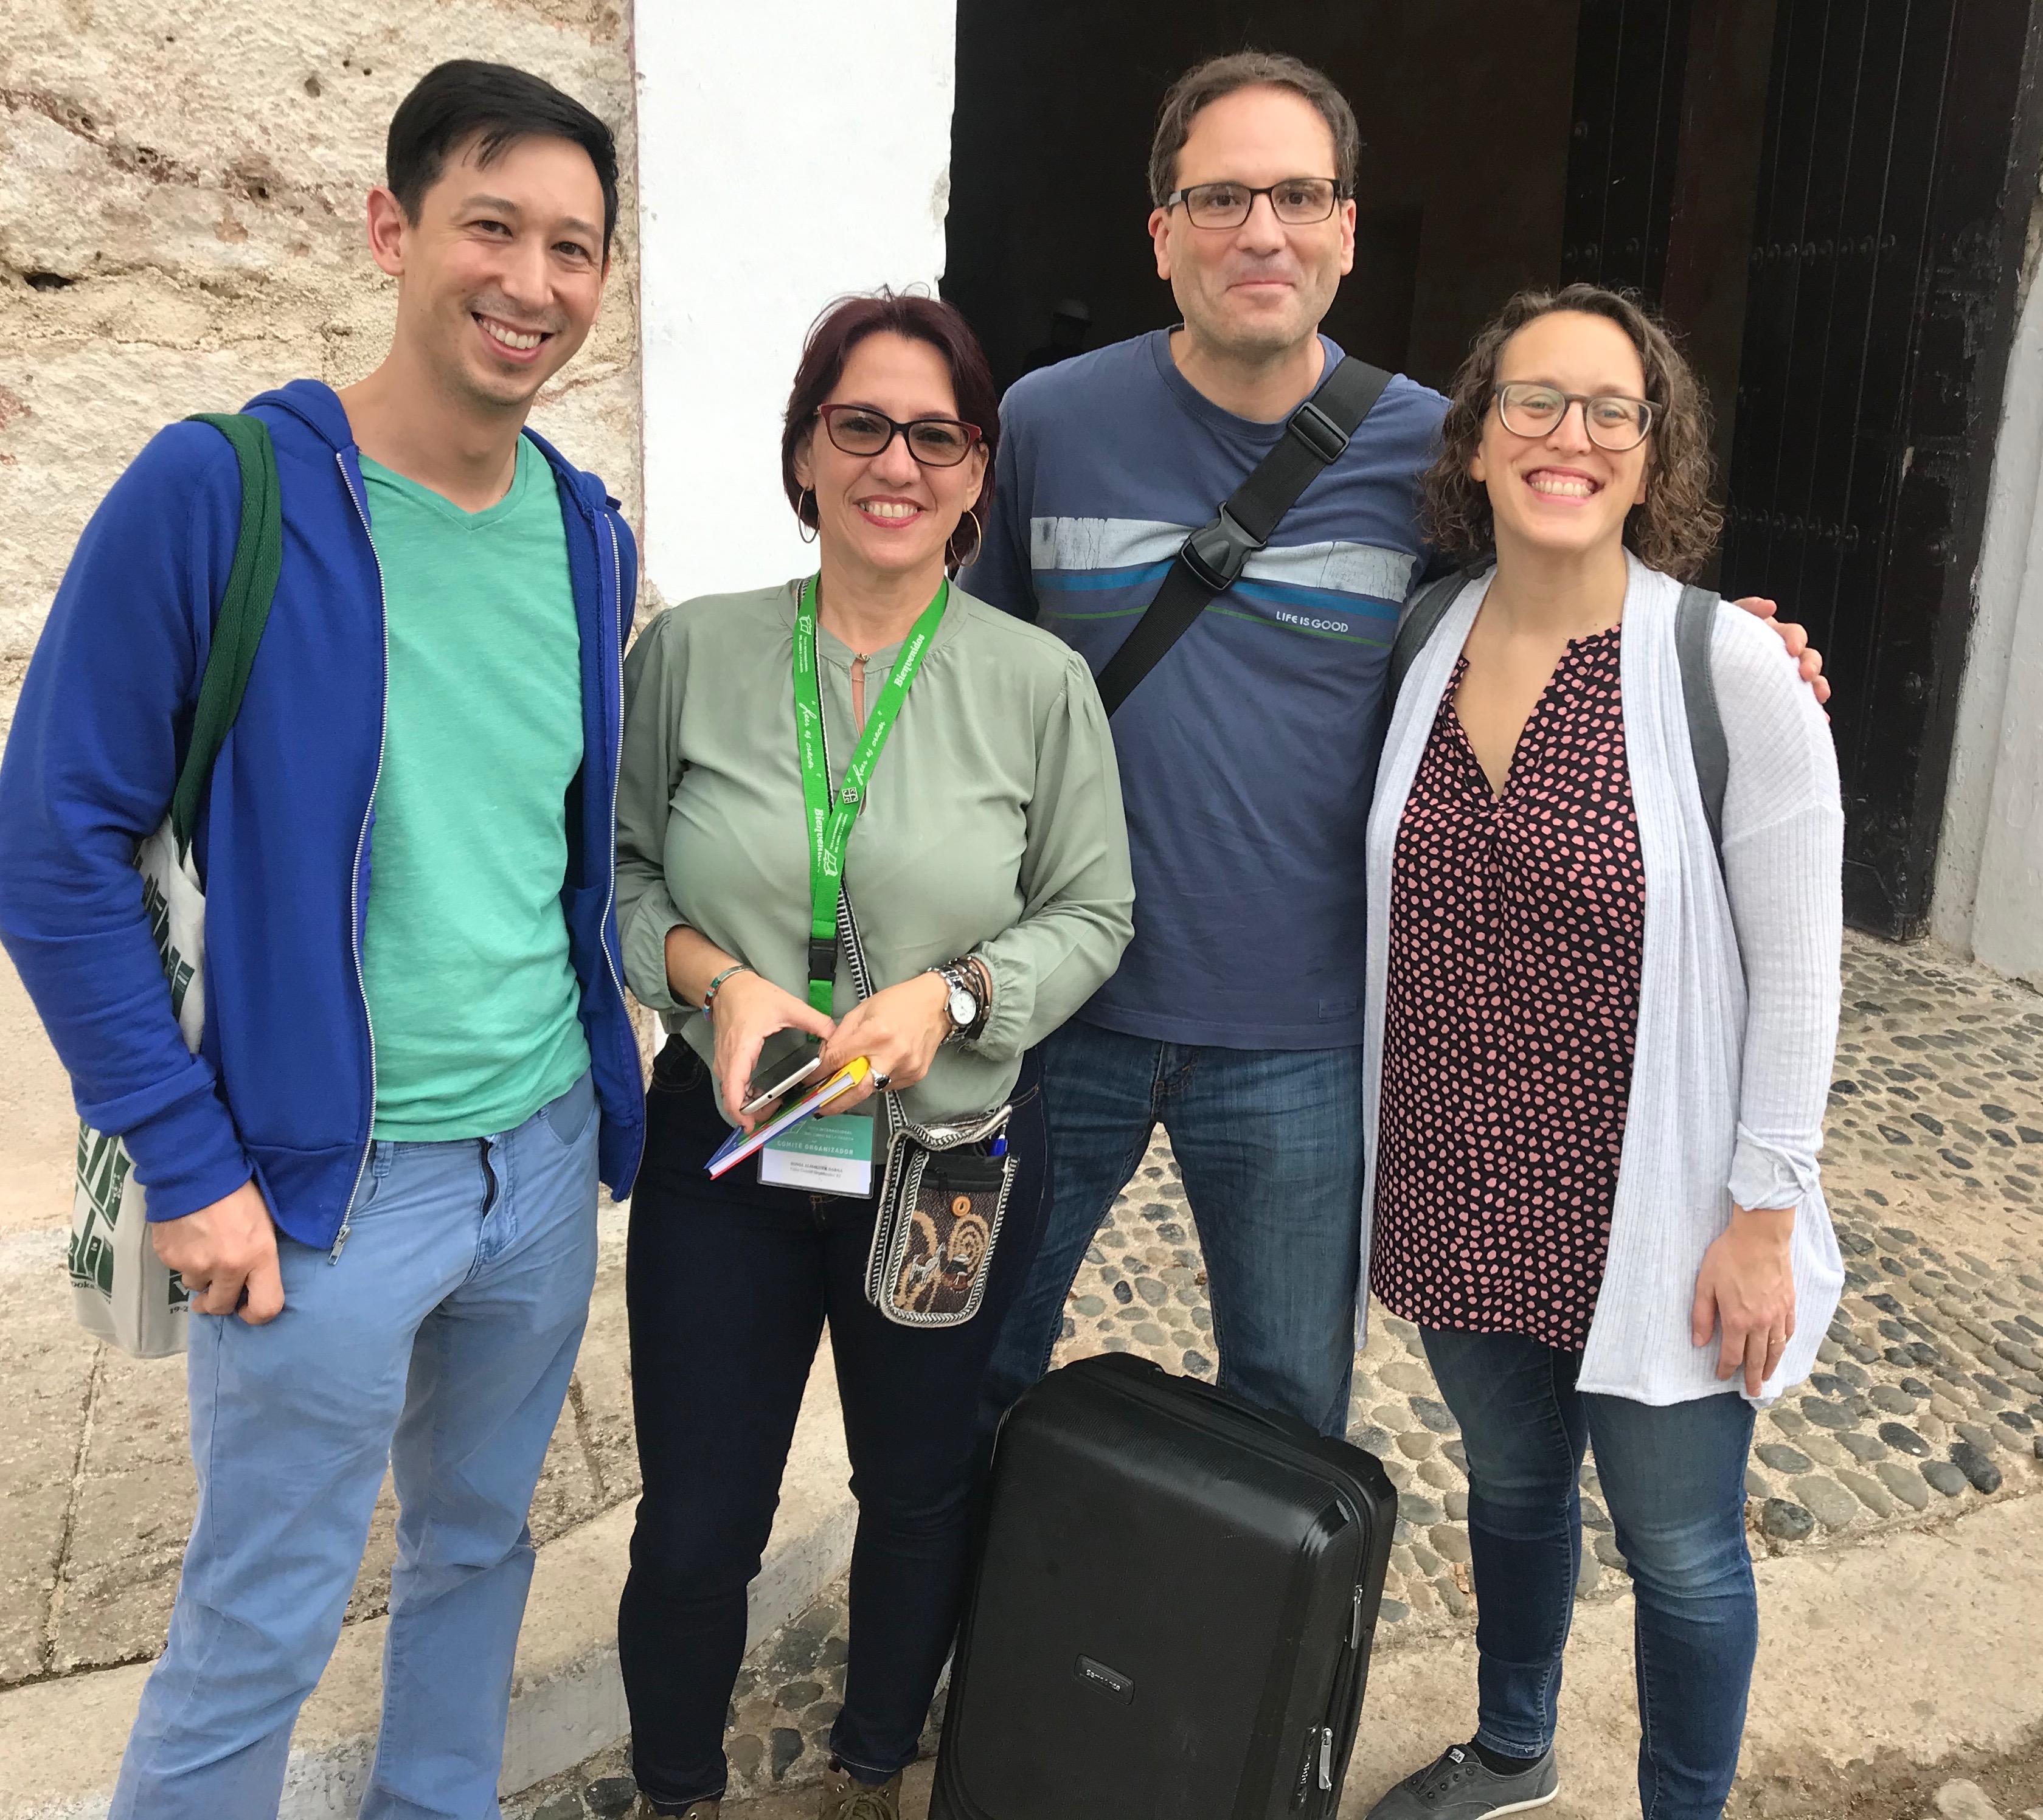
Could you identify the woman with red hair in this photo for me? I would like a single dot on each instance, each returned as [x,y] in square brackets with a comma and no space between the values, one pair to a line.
[873,731]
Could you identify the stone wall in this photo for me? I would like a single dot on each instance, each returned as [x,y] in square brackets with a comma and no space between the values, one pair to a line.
[182,186]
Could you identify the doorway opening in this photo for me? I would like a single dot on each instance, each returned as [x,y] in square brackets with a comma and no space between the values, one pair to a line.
[1830,199]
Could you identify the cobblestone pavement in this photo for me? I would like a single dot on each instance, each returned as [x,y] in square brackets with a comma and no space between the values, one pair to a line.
[1928,1398]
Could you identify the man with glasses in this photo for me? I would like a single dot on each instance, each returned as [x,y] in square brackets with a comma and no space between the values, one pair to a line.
[1248,755]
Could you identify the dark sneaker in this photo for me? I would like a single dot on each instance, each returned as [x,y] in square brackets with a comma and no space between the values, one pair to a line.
[1457,1787]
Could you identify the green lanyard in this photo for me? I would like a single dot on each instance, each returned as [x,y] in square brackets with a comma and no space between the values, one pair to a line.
[830,818]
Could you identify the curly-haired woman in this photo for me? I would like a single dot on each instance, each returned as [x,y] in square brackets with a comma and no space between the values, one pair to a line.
[1598,1047]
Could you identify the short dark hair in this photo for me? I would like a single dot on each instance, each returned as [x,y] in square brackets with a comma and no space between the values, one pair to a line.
[495,105]
[1675,528]
[1205,83]
[842,327]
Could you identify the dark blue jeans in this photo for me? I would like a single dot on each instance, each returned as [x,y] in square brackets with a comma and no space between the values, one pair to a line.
[1269,1142]
[1674,1481]
[728,1284]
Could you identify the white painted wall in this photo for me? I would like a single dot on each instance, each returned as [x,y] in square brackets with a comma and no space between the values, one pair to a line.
[1989,898]
[789,151]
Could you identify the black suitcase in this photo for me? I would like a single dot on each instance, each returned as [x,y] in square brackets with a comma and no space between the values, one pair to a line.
[1173,1611]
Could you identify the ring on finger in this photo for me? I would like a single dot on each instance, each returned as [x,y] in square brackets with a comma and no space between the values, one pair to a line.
[882,1079]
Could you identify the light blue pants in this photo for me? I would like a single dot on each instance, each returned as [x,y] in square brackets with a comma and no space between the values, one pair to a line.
[441,1342]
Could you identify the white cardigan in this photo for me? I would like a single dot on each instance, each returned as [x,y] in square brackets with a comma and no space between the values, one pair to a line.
[1737,1003]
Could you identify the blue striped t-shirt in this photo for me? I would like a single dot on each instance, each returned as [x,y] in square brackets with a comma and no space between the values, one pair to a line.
[1248,755]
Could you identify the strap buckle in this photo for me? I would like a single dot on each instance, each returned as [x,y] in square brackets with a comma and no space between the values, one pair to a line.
[1318,432]
[822,957]
[1218,553]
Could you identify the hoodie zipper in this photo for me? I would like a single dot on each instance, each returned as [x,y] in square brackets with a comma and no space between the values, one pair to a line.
[616,768]
[361,842]
[617,762]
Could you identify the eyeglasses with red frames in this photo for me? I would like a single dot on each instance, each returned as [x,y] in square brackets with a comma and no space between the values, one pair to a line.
[935,442]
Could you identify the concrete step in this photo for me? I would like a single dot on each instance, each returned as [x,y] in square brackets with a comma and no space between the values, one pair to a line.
[61,1740]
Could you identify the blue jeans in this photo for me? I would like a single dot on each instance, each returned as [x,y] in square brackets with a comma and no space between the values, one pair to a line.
[440,1340]
[1269,1142]
[1674,1480]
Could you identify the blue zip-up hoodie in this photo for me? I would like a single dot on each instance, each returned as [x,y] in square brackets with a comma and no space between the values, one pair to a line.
[283,1088]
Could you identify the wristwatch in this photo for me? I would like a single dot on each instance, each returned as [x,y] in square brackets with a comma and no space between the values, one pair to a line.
[960,1002]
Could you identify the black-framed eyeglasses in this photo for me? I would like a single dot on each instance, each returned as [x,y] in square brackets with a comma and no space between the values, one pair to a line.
[935,442]
[1615,423]
[1297,201]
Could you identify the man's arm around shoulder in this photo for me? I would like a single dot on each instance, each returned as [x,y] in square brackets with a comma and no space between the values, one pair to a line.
[88,773]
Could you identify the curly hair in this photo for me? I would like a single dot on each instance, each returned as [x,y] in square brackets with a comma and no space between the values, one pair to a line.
[1675,528]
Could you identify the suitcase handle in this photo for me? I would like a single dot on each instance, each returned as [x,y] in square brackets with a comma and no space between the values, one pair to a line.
[1291,1427]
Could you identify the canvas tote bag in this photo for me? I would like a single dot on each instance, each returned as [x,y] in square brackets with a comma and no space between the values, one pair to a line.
[121,1291]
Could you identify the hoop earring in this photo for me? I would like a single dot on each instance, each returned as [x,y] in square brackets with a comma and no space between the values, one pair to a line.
[806,532]
[978,542]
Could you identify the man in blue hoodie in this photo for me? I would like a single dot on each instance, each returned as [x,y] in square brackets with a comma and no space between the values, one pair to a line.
[378,1178]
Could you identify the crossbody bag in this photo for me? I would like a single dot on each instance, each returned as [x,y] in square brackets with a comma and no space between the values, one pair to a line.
[1213,558]
[942,1197]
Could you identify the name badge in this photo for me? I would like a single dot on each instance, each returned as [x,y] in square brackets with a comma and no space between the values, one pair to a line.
[823,1155]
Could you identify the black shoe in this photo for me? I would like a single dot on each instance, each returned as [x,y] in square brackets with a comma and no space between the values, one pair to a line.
[1459,1786]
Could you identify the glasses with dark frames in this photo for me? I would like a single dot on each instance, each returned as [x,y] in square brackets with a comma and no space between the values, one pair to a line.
[1616,423]
[935,442]
[1297,201]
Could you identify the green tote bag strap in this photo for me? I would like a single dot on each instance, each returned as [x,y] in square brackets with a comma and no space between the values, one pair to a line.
[244,610]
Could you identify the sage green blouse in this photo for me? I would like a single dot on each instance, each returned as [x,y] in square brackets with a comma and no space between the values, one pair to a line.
[993,826]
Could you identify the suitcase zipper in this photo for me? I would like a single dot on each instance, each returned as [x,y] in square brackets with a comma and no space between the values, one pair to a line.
[1326,1756]
[1354,1624]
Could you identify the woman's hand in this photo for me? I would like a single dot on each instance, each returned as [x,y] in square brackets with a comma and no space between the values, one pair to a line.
[749,1010]
[1746,1286]
[897,1030]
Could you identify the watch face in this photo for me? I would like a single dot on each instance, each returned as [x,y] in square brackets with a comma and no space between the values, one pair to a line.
[963,1007]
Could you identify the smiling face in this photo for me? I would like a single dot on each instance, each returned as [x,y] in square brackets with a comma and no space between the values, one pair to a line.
[1259,289]
[1560,492]
[887,514]
[500,276]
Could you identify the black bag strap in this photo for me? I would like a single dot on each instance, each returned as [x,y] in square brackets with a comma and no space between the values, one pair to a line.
[1694,620]
[244,611]
[1214,556]
[1422,620]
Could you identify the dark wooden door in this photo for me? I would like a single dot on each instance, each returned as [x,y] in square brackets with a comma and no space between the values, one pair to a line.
[1895,181]
[1630,58]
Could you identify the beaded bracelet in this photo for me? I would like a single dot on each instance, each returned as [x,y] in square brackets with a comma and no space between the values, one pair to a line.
[716,985]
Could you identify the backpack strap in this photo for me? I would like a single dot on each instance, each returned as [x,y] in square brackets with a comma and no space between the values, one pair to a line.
[1213,557]
[1694,621]
[244,610]
[1422,620]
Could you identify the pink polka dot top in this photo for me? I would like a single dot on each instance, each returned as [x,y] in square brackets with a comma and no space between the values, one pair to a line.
[1516,927]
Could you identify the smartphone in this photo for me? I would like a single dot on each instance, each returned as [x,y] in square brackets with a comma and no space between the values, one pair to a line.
[764,1089]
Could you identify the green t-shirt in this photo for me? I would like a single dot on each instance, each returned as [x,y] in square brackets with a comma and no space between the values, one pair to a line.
[472,997]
